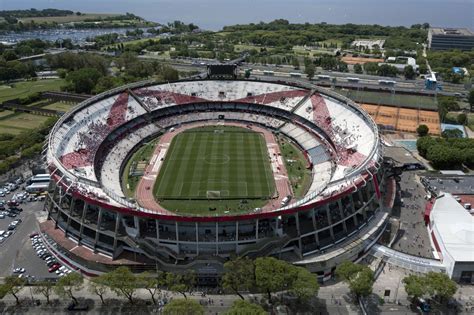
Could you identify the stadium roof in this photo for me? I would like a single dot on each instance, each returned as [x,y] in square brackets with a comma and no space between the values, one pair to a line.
[455,225]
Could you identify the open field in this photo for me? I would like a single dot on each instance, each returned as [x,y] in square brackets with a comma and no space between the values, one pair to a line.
[217,166]
[22,89]
[60,106]
[143,154]
[67,18]
[5,113]
[387,98]
[23,121]
[360,60]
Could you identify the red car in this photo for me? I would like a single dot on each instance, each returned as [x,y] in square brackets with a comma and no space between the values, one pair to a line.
[54,267]
[33,234]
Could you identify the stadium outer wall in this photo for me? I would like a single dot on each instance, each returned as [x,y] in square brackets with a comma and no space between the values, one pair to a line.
[94,236]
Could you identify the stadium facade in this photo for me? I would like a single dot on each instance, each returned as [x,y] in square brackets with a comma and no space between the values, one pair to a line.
[94,227]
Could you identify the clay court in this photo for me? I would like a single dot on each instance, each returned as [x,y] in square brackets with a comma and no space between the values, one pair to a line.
[403,119]
[360,60]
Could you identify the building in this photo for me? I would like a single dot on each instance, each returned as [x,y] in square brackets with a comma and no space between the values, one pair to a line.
[450,38]
[451,230]
[368,43]
[401,62]
[93,227]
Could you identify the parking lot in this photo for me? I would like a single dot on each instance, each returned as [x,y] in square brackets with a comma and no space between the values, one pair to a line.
[16,250]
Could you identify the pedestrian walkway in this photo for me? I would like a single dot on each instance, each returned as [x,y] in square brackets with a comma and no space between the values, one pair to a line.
[406,261]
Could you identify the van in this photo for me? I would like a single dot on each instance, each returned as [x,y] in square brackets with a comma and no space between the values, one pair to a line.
[285,200]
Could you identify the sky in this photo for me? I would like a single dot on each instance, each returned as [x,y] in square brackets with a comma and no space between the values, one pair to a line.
[213,14]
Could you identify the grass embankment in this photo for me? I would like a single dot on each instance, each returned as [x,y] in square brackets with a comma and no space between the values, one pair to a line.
[129,183]
[295,162]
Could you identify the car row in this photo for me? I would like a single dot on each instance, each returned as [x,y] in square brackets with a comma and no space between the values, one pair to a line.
[43,253]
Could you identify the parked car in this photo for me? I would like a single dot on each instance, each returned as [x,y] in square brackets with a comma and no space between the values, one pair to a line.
[54,267]
[19,270]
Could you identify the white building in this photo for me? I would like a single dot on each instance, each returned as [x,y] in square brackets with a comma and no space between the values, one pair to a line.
[451,229]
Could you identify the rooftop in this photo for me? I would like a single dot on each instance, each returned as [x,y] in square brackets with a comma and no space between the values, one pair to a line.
[455,226]
[451,31]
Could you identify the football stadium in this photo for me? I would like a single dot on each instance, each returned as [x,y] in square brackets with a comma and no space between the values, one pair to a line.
[185,175]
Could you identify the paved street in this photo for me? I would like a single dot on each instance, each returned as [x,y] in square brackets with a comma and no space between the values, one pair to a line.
[413,238]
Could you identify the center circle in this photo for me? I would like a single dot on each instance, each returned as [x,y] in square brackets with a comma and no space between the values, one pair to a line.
[217,159]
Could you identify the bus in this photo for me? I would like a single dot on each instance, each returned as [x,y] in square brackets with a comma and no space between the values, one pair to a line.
[295,74]
[323,77]
[35,188]
[387,82]
[354,80]
[40,178]
[268,72]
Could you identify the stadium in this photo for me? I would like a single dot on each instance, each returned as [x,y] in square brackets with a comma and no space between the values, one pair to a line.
[217,182]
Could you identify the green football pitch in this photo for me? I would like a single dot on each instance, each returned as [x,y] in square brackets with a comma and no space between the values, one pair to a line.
[215,167]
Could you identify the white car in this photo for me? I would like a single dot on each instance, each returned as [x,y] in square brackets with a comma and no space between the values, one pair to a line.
[19,270]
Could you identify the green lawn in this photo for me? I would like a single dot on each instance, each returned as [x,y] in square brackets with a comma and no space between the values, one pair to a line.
[60,106]
[22,89]
[384,98]
[23,121]
[300,177]
[226,168]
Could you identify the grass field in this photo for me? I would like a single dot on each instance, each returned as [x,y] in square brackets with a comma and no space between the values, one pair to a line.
[61,106]
[403,100]
[22,89]
[23,121]
[216,167]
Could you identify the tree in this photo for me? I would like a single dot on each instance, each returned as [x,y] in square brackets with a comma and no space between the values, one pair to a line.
[387,70]
[310,70]
[271,275]
[415,286]
[359,278]
[296,63]
[12,285]
[462,119]
[180,283]
[45,288]
[151,283]
[238,275]
[409,73]
[169,73]
[422,130]
[470,99]
[66,285]
[358,68]
[305,285]
[183,307]
[122,282]
[452,133]
[99,286]
[371,67]
[441,285]
[241,307]
[83,80]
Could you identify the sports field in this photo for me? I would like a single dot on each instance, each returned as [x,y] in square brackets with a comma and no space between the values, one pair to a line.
[214,164]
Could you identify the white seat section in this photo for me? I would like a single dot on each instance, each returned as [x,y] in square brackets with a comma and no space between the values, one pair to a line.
[351,129]
[77,141]
[110,170]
